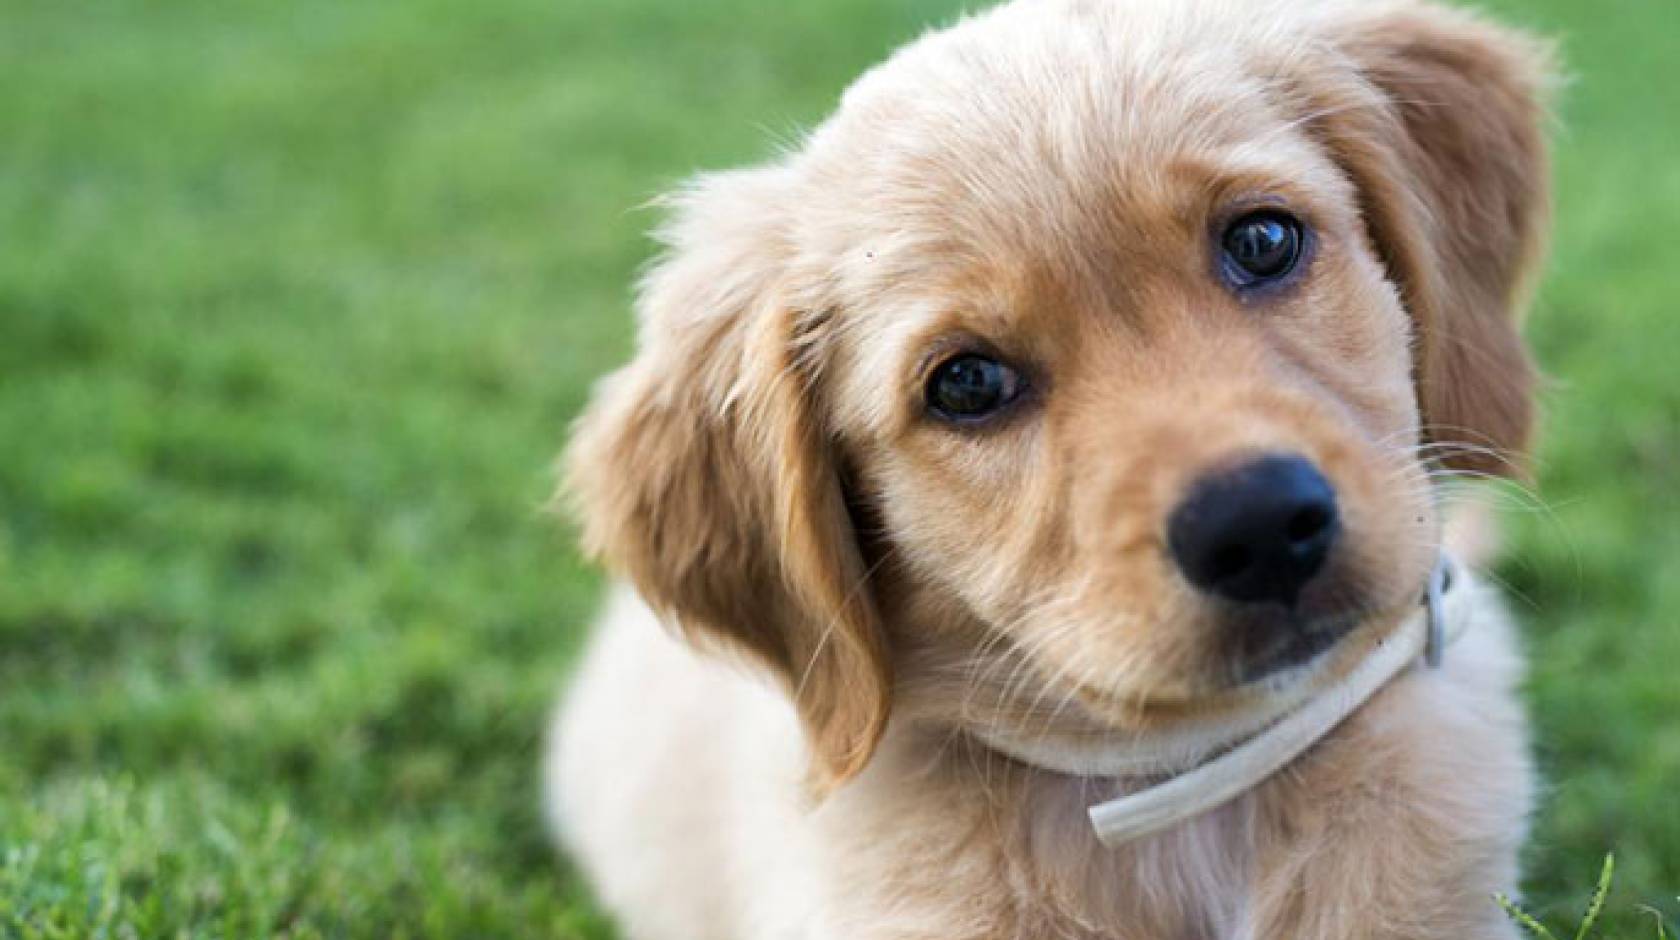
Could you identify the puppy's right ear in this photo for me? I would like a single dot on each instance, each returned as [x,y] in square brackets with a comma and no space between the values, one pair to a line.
[702,472]
[1438,118]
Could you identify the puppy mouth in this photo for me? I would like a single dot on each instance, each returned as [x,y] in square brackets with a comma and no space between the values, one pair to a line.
[1290,644]
[1273,653]
[1268,645]
[1264,653]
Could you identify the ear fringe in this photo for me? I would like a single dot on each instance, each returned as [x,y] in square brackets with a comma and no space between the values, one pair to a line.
[1439,116]
[700,472]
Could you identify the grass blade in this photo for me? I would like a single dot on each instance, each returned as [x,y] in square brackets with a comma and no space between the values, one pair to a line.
[1596,906]
[1523,918]
[1656,915]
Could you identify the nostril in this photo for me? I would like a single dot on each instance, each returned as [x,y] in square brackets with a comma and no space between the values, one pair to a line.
[1227,562]
[1308,523]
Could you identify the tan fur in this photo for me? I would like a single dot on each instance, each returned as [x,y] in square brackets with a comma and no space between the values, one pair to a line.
[1044,181]
[706,480]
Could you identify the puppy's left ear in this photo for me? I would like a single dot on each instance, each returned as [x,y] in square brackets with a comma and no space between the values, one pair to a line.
[1438,117]
[703,471]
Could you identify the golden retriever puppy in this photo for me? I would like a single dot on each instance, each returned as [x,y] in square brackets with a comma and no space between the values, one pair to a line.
[1070,405]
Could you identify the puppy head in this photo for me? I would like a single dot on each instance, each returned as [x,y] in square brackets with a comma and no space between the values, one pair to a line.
[1110,341]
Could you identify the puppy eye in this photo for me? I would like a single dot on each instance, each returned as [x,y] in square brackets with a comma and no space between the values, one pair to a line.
[969,387]
[1262,247]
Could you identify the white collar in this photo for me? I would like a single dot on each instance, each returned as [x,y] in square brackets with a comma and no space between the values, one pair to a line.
[1249,751]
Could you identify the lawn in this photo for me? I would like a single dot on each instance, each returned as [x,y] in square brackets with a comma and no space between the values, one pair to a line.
[296,301]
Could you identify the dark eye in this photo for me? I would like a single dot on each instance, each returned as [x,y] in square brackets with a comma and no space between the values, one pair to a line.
[971,386]
[1261,247]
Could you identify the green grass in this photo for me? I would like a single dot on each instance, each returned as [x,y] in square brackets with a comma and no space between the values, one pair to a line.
[296,300]
[1589,918]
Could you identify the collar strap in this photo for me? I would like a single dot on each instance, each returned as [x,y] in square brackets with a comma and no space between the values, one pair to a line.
[1247,765]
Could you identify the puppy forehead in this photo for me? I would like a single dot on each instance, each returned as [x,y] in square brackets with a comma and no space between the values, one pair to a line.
[1015,176]
[1033,84]
[1050,128]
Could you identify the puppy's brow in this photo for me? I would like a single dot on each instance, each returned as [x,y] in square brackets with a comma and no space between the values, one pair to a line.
[940,348]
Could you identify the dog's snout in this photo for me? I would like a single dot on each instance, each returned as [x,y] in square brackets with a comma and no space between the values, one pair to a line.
[1255,533]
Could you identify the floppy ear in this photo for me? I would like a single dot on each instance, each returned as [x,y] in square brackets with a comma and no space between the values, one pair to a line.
[1437,117]
[701,473]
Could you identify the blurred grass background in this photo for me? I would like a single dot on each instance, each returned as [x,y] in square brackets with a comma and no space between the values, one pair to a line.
[296,301]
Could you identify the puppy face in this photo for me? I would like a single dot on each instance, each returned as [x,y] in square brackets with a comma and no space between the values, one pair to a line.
[1132,359]
[1105,342]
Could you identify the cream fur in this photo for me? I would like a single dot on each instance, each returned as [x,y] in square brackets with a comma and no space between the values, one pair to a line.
[827,591]
[675,780]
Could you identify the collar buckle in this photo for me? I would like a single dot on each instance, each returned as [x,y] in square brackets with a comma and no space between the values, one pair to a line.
[1435,648]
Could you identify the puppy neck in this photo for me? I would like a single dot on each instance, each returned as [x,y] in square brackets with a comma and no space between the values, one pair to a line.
[1211,764]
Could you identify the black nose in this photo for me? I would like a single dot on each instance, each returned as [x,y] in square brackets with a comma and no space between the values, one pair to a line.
[1258,532]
